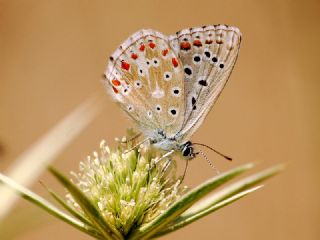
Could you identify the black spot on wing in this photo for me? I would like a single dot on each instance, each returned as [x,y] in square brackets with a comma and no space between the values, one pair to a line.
[203,83]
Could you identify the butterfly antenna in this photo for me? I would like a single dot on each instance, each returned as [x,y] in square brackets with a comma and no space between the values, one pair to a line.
[209,162]
[137,145]
[217,152]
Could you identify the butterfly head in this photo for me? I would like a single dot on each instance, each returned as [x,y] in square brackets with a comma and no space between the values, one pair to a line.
[187,150]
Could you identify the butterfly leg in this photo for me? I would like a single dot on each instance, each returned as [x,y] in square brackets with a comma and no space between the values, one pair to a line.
[164,156]
[185,171]
[137,145]
[166,166]
[132,138]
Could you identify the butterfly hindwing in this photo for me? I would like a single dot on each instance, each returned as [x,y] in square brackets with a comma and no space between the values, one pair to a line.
[145,77]
[208,55]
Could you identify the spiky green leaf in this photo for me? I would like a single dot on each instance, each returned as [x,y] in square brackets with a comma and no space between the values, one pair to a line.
[109,232]
[185,202]
[221,198]
[47,206]
[184,221]
[67,207]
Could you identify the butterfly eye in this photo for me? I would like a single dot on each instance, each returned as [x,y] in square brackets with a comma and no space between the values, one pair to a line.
[155,62]
[173,111]
[176,92]
[196,59]
[167,76]
[138,84]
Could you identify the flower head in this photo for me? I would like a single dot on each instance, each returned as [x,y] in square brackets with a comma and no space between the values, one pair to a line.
[127,187]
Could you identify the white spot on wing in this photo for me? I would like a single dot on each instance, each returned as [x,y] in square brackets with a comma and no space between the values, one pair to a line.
[158,93]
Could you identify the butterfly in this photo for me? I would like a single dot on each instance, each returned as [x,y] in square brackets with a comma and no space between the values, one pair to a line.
[168,85]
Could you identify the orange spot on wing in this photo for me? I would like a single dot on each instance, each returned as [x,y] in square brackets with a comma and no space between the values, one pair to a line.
[175,62]
[165,52]
[116,82]
[208,41]
[185,46]
[115,90]
[142,47]
[125,65]
[152,45]
[134,56]
[197,43]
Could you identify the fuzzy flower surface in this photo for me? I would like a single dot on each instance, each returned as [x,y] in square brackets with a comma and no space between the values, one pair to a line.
[127,187]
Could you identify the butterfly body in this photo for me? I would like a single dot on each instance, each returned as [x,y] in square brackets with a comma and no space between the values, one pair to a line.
[163,142]
[167,85]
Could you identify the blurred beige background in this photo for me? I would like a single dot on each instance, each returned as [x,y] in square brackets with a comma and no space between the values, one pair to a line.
[52,56]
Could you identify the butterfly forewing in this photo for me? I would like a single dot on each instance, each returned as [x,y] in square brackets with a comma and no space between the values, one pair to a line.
[145,76]
[208,55]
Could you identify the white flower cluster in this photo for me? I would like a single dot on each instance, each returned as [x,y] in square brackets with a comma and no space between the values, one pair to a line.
[126,186]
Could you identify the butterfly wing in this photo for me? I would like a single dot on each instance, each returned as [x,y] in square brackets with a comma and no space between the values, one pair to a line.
[145,77]
[208,55]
